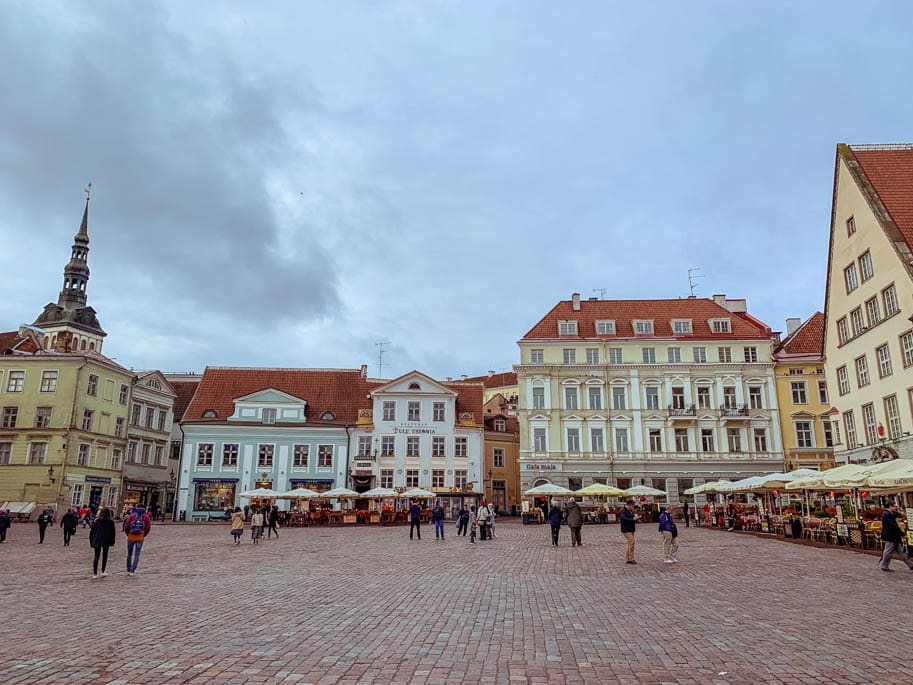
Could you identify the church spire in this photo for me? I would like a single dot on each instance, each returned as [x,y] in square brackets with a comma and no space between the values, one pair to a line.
[76,272]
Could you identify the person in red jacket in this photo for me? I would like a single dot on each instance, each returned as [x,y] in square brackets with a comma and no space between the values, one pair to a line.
[136,527]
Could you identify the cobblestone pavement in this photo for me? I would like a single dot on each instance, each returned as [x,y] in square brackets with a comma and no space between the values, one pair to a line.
[366,605]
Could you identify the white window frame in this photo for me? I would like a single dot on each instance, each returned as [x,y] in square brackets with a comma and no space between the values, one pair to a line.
[699,354]
[674,355]
[725,355]
[866,268]
[567,327]
[804,434]
[843,380]
[537,356]
[643,326]
[605,327]
[889,299]
[843,330]
[616,355]
[682,327]
[862,371]
[573,439]
[850,280]
[798,391]
[592,355]
[906,348]
[885,368]
[569,355]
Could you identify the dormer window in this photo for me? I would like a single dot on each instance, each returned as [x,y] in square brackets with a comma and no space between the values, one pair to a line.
[643,326]
[210,414]
[605,327]
[153,384]
[269,416]
[567,328]
[721,325]
[682,326]
[500,425]
[328,416]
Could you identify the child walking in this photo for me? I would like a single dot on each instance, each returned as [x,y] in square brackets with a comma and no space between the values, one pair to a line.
[256,526]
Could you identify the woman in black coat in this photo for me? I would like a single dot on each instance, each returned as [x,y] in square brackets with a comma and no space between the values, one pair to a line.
[68,522]
[102,537]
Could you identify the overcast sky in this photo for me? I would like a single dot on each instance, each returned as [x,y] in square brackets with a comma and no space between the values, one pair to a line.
[287,184]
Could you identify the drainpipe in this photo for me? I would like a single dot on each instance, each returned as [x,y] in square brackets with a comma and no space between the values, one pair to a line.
[348,452]
[68,437]
[177,481]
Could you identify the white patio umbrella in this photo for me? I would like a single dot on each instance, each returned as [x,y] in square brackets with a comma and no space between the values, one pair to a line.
[644,491]
[340,493]
[548,490]
[260,492]
[379,493]
[599,490]
[705,488]
[298,493]
[745,485]
[417,493]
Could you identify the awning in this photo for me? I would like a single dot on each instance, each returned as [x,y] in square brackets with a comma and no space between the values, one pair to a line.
[311,480]
[215,480]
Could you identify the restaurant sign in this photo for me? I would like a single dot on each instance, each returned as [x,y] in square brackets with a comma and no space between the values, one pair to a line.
[541,467]
[405,430]
[98,479]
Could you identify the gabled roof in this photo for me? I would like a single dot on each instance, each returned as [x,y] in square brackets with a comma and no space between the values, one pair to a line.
[185,391]
[504,379]
[806,339]
[513,423]
[888,170]
[469,395]
[11,342]
[340,391]
[662,312]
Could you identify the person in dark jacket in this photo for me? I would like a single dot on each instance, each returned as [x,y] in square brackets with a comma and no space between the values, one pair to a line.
[45,518]
[669,531]
[69,522]
[463,521]
[6,521]
[892,536]
[574,518]
[628,518]
[437,517]
[102,538]
[273,522]
[415,519]
[686,513]
[554,520]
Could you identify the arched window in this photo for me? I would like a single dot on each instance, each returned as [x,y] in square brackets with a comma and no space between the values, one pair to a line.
[82,345]
[92,346]
[414,386]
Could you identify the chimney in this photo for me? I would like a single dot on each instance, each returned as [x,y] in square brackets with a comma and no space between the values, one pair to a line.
[575,301]
[720,300]
[490,373]
[449,378]
[63,342]
[364,370]
[463,377]
[792,324]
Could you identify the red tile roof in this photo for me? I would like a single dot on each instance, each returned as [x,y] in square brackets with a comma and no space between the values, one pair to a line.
[807,339]
[889,170]
[504,379]
[624,312]
[185,391]
[513,423]
[12,339]
[341,391]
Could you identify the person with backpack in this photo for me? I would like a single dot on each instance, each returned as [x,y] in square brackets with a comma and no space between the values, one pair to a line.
[437,517]
[237,525]
[45,518]
[102,537]
[137,527]
[69,523]
[669,531]
[483,516]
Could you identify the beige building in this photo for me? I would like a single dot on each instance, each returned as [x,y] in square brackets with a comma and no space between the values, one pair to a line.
[868,334]
[502,452]
[666,393]
[810,430]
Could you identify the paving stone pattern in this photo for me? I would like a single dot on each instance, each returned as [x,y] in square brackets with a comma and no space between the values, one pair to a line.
[366,605]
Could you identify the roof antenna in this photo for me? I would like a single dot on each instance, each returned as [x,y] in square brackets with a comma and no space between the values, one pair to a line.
[600,292]
[380,356]
[693,276]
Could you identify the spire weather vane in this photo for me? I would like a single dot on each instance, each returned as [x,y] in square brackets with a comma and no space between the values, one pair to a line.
[88,190]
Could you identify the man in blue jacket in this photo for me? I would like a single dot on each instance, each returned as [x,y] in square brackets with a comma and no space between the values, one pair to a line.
[669,532]
[892,537]
[628,519]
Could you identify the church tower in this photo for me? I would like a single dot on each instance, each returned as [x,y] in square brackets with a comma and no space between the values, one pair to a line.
[70,325]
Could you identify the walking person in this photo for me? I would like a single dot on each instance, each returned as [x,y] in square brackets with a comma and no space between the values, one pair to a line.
[482,517]
[256,526]
[437,517]
[892,537]
[686,513]
[628,520]
[463,521]
[69,522]
[554,520]
[237,525]
[45,519]
[493,514]
[102,537]
[574,518]
[83,515]
[6,522]
[415,519]
[273,522]
[473,524]
[137,527]
[669,531]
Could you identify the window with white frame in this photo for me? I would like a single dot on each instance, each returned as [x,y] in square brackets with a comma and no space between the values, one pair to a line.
[843,330]
[77,494]
[643,327]
[6,451]
[884,361]
[573,439]
[656,440]
[681,326]
[892,412]
[43,417]
[858,321]
[805,436]
[872,312]
[700,355]
[615,355]
[906,347]
[115,459]
[539,439]
[411,478]
[389,410]
[438,411]
[37,452]
[870,423]
[122,397]
[850,226]
[159,455]
[82,454]
[649,355]
[865,266]
[750,354]
[48,381]
[146,450]
[538,397]
[15,381]
[843,381]
[619,398]
[862,371]
[537,356]
[849,427]
[889,298]
[592,355]
[386,478]
[651,393]
[605,327]
[163,418]
[387,445]
[119,427]
[204,453]
[87,415]
[827,428]
[706,439]
[621,439]
[755,397]
[364,445]
[729,400]
[570,355]
[135,412]
[412,446]
[570,397]
[725,355]
[150,417]
[849,278]
[734,437]
[131,453]
[760,439]
[703,396]
[678,397]
[438,446]
[265,455]
[721,325]
[597,440]
[567,328]
[92,386]
[674,355]
[798,391]
[437,478]
[230,454]
[497,457]
[594,397]
[681,440]
[461,447]
[324,456]
[822,392]
[414,411]
[459,479]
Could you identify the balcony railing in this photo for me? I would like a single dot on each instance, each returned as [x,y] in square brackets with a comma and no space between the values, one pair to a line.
[682,412]
[733,411]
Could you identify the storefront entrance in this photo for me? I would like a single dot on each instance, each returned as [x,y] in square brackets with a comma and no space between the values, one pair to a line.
[95,497]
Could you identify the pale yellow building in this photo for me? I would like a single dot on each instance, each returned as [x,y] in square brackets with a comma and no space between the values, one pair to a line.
[810,431]
[868,343]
